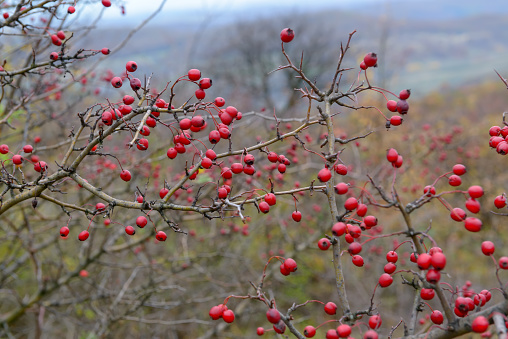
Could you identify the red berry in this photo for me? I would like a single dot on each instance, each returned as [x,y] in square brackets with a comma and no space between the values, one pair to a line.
[433,276]
[215,312]
[473,205]
[200,94]
[17,159]
[330,308]
[324,175]
[260,331]
[357,260]
[354,248]
[398,162]
[281,168]
[269,197]
[423,261]
[205,83]
[370,59]
[130,230]
[396,120]
[437,317]
[309,331]
[340,169]
[297,216]
[273,315]
[438,260]
[206,163]
[131,66]
[480,324]
[488,247]
[331,334]
[171,153]
[249,159]
[370,334]
[125,175]
[404,94]
[344,331]
[228,316]
[283,270]
[391,105]
[351,204]
[40,166]
[494,131]
[4,149]
[392,256]
[279,327]
[83,235]
[402,106]
[370,221]
[128,100]
[161,236]
[136,85]
[141,221]
[219,101]
[214,136]
[475,191]
[163,192]
[287,34]
[210,154]
[105,51]
[500,201]
[64,231]
[392,155]
[116,82]
[473,224]
[375,321]
[458,214]
[106,3]
[290,264]
[194,74]
[459,169]
[454,180]
[227,174]
[390,268]
[361,210]
[363,66]
[71,10]
[55,40]
[341,188]
[324,244]
[53,56]
[142,144]
[339,229]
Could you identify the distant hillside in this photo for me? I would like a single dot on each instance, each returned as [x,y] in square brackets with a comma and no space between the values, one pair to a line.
[423,45]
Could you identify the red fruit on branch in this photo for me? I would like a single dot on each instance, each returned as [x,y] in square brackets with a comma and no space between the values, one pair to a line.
[287,35]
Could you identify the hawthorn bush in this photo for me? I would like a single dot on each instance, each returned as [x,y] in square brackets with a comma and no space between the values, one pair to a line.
[147,207]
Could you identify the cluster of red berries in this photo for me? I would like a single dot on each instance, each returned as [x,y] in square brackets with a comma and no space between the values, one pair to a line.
[222,311]
[288,266]
[472,224]
[17,159]
[499,139]
[394,158]
[352,232]
[117,81]
[401,106]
